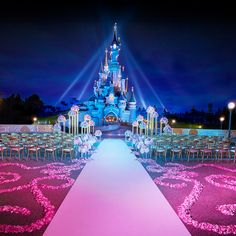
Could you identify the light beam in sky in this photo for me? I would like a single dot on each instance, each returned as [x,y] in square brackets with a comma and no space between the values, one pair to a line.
[92,75]
[81,74]
[135,64]
[136,85]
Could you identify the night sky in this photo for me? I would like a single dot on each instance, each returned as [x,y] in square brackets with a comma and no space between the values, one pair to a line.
[179,55]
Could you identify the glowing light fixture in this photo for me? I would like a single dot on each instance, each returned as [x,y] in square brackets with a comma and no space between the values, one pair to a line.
[222,118]
[221,121]
[231,106]
[111,98]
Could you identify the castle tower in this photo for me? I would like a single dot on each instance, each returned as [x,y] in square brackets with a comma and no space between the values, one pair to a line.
[95,88]
[121,105]
[132,106]
[106,67]
[123,80]
[101,76]
[126,84]
[119,79]
[114,66]
[100,106]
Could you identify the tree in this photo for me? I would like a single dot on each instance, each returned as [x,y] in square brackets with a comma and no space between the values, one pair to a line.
[210,107]
[12,109]
[63,103]
[33,105]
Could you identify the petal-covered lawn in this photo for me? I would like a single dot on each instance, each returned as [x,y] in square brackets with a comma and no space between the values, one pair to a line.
[31,192]
[203,195]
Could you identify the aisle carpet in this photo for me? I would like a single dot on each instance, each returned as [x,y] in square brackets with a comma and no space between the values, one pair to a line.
[114,195]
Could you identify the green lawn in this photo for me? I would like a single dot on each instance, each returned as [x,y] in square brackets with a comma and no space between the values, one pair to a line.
[51,119]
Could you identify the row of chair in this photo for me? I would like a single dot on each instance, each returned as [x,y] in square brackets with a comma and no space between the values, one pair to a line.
[194,153]
[34,151]
[43,146]
[183,147]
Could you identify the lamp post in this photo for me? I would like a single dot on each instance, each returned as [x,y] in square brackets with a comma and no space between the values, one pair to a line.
[221,121]
[231,106]
[62,119]
[34,120]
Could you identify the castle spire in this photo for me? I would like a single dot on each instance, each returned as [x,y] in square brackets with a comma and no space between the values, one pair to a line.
[101,68]
[132,97]
[101,71]
[106,61]
[115,40]
[126,85]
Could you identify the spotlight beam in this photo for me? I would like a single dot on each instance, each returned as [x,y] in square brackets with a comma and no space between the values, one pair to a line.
[144,77]
[137,87]
[79,76]
[139,93]
[91,76]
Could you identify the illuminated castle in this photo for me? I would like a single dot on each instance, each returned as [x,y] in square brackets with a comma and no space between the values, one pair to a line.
[112,101]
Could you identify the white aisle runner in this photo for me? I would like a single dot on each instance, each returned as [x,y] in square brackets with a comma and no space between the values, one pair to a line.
[114,196]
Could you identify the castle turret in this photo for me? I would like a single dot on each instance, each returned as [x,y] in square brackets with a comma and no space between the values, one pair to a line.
[123,77]
[100,106]
[101,70]
[102,76]
[121,104]
[115,40]
[95,88]
[119,77]
[126,84]
[114,66]
[106,67]
[132,106]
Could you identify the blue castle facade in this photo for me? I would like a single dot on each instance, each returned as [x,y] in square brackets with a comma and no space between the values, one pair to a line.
[112,100]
